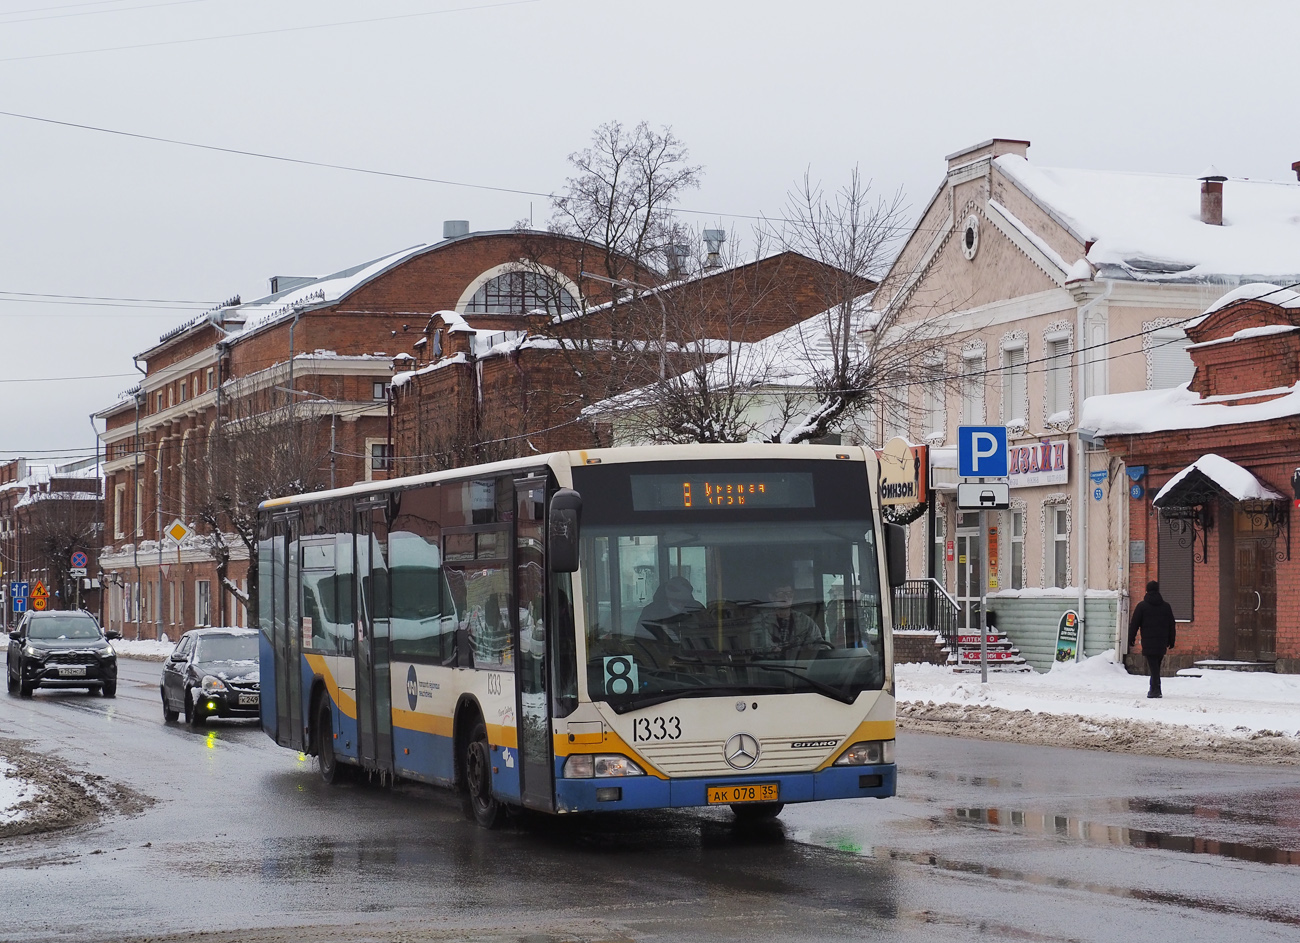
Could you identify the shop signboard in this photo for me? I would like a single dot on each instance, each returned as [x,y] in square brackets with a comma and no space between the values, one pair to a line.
[1067,637]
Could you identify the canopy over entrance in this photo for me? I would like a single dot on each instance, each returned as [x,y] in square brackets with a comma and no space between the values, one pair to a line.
[1209,478]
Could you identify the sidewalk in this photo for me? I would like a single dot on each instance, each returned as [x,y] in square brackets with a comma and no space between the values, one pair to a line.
[1241,703]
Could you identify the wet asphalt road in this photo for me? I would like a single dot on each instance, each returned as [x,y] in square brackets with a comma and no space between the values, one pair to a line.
[987,841]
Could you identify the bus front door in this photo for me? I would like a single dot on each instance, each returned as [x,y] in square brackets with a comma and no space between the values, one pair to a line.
[374,685]
[531,619]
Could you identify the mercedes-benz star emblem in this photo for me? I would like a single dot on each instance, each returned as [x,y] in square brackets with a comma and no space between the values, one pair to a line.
[741,751]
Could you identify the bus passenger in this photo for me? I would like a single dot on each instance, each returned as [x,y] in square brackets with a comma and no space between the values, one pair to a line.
[672,607]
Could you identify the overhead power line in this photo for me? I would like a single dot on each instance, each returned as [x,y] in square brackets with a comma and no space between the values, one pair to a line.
[64,16]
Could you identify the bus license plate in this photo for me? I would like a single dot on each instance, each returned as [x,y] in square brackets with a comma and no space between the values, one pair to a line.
[72,672]
[754,792]
[248,700]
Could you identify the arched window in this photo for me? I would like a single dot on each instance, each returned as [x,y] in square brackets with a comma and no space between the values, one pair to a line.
[519,293]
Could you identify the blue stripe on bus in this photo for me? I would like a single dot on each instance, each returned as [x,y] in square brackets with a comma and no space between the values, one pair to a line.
[649,792]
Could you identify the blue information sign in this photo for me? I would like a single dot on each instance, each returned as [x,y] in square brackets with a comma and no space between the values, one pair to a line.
[982,451]
[1135,492]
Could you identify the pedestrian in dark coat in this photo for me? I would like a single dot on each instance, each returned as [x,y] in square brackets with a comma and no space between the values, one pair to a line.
[1154,618]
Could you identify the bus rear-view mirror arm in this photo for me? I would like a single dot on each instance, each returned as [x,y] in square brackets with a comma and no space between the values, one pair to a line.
[896,554]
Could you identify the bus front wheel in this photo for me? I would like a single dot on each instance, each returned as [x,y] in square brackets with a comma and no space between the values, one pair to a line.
[487,811]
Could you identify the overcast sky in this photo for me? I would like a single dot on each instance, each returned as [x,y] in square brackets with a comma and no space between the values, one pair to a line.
[498,94]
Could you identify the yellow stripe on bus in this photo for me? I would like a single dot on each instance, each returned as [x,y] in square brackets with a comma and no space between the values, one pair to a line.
[346,702]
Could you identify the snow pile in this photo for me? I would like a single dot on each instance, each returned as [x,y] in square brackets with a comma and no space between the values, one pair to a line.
[1146,411]
[146,649]
[1102,690]
[13,793]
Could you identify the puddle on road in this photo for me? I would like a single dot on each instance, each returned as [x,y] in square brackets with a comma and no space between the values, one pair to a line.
[1115,835]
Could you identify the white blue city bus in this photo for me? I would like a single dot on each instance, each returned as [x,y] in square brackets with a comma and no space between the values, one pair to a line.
[624,628]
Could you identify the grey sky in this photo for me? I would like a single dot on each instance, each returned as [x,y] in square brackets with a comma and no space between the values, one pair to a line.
[499,94]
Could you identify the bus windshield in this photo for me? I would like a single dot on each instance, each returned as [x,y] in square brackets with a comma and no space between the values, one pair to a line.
[731,607]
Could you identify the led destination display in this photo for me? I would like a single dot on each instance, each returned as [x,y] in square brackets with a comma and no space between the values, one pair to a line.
[712,492]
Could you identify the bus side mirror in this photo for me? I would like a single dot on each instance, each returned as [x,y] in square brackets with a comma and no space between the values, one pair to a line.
[896,554]
[563,530]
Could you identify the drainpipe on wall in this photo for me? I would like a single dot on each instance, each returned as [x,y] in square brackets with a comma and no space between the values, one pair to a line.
[1080,318]
[135,504]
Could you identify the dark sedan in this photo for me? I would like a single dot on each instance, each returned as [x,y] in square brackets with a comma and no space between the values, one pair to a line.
[211,673]
[61,650]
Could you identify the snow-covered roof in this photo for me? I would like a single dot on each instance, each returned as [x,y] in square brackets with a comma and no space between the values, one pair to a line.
[320,291]
[1147,225]
[1255,291]
[1236,481]
[1146,411]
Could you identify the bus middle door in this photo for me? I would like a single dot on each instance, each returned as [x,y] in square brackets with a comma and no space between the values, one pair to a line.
[374,685]
[535,746]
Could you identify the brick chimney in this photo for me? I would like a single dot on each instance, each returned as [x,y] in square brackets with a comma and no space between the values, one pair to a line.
[1212,197]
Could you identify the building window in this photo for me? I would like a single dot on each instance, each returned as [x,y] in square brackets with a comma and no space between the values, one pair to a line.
[1168,363]
[520,293]
[380,390]
[1058,517]
[379,458]
[1015,398]
[202,602]
[119,510]
[209,379]
[139,508]
[935,420]
[160,402]
[1058,381]
[972,389]
[184,387]
[1017,575]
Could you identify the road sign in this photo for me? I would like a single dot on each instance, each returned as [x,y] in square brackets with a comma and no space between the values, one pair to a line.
[38,589]
[20,604]
[990,496]
[76,571]
[982,451]
[40,602]
[177,530]
[78,559]
[20,589]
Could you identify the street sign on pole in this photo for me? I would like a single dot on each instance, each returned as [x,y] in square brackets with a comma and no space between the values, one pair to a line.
[76,571]
[982,451]
[976,496]
[78,560]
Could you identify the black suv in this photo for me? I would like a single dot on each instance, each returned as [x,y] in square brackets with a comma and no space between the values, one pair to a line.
[61,650]
[212,673]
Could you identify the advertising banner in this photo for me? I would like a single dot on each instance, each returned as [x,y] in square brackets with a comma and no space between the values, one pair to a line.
[1042,463]
[1067,637]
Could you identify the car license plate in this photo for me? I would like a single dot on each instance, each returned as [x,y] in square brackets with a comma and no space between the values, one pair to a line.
[248,700]
[78,672]
[754,792]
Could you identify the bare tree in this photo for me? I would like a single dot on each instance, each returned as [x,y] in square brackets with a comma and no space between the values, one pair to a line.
[859,355]
[54,525]
[255,452]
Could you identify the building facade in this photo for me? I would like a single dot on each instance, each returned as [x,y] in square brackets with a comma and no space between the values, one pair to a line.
[1212,478]
[1054,285]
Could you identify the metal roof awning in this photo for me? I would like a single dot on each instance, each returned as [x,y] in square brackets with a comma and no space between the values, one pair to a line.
[1210,478]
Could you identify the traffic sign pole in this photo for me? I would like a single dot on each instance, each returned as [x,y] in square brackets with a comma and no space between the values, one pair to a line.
[984,598]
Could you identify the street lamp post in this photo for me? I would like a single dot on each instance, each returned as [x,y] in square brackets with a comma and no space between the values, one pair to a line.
[663,311]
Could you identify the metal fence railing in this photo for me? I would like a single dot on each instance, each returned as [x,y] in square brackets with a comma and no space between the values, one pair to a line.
[924,604]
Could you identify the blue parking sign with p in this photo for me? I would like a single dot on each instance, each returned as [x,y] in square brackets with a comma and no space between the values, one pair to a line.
[982,451]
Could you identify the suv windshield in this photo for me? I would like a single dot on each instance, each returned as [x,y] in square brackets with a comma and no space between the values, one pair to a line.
[70,626]
[227,648]
[731,607]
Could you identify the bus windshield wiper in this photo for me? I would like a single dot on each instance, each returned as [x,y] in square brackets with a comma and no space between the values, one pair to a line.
[819,686]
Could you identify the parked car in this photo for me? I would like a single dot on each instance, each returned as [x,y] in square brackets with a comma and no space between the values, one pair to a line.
[211,673]
[61,650]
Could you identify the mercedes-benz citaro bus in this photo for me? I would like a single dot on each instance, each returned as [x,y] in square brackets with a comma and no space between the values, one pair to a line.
[626,628]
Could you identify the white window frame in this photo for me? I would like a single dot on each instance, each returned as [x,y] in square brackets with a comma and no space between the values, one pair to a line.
[1058,393]
[119,506]
[972,387]
[1015,382]
[370,458]
[1016,545]
[379,390]
[202,603]
[1053,506]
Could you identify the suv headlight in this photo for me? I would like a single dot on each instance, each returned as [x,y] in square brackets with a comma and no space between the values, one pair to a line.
[867,753]
[213,685]
[587,765]
[31,651]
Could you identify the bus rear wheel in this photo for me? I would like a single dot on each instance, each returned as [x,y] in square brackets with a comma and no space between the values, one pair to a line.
[756,811]
[330,769]
[487,811]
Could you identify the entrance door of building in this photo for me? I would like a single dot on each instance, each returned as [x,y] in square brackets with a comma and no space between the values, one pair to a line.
[1255,596]
[970,544]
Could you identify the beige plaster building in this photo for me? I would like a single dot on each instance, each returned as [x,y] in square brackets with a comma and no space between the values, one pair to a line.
[1053,285]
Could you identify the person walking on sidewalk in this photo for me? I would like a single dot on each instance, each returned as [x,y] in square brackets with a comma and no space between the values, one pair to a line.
[1154,618]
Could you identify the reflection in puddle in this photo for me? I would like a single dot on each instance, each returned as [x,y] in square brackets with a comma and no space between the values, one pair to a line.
[1098,834]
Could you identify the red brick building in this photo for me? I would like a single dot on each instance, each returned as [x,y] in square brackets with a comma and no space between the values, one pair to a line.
[1210,468]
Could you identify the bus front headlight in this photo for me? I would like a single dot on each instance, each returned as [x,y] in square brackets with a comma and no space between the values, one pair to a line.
[586,766]
[867,753]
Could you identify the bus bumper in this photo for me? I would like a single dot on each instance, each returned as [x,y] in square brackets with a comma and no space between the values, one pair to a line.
[650,792]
